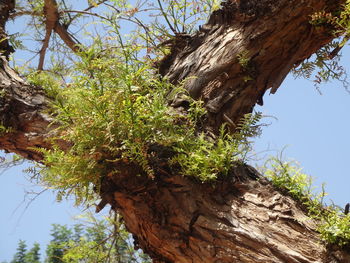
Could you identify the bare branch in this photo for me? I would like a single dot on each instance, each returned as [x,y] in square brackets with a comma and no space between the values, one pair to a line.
[44,48]
[52,24]
[83,12]
[67,39]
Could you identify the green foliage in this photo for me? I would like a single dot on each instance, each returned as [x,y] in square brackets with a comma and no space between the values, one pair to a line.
[20,255]
[15,42]
[339,20]
[58,245]
[115,108]
[248,68]
[33,255]
[4,130]
[324,64]
[48,81]
[24,256]
[207,159]
[103,241]
[244,59]
[334,226]
[114,113]
[288,176]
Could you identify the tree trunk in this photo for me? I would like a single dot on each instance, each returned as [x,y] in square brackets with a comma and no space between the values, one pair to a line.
[246,48]
[176,219]
[273,36]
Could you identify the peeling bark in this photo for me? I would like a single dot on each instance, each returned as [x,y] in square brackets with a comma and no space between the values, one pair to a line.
[274,35]
[23,113]
[241,218]
[25,125]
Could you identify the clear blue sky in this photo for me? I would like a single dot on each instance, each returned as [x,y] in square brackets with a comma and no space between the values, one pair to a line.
[315,128]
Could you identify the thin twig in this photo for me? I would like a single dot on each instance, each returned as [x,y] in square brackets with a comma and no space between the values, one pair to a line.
[166,17]
[24,13]
[83,12]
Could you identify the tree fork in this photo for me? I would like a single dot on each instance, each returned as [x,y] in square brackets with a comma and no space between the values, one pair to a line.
[176,219]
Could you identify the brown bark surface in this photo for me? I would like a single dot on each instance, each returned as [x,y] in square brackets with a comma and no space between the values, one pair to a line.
[274,35]
[177,219]
[23,113]
[25,125]
[242,219]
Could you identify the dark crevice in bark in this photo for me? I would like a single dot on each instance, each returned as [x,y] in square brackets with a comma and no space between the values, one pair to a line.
[23,113]
[175,219]
[275,35]
[6,7]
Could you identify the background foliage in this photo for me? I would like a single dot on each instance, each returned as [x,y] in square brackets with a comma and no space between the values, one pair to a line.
[104,240]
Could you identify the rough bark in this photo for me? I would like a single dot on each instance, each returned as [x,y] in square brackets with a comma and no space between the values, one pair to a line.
[24,123]
[274,35]
[241,218]
[22,113]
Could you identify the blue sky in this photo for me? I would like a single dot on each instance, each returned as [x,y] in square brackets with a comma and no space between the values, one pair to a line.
[315,128]
[32,223]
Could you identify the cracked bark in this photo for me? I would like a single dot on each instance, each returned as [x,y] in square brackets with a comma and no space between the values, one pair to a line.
[174,218]
[275,35]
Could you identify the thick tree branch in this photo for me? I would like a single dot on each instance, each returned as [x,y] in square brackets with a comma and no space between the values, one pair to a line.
[24,113]
[242,219]
[52,23]
[272,36]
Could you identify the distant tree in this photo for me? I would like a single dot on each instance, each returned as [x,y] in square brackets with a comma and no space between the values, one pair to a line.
[33,255]
[78,232]
[55,250]
[102,241]
[20,255]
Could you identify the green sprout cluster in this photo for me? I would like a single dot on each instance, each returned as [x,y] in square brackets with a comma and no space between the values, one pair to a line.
[333,224]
